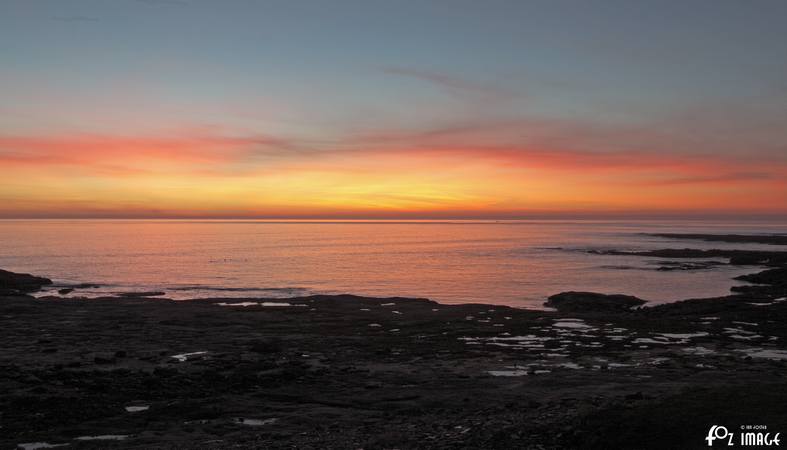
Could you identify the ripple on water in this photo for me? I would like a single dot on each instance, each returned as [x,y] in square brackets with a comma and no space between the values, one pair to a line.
[133,409]
[515,372]
[264,304]
[183,357]
[765,353]
[700,351]
[103,437]
[578,324]
[255,422]
[38,445]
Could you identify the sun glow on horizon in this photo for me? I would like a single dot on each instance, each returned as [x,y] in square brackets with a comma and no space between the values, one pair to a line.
[205,175]
[169,108]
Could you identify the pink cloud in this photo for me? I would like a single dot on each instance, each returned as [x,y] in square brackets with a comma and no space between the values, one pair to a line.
[134,154]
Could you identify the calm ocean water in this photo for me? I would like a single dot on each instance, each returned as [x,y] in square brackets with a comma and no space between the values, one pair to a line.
[516,263]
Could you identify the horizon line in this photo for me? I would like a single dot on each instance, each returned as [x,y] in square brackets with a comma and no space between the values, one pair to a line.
[403,218]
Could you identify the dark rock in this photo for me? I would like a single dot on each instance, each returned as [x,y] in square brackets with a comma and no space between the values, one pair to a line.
[31,379]
[694,265]
[265,346]
[747,260]
[336,385]
[140,294]
[591,301]
[635,396]
[770,276]
[102,359]
[737,257]
[21,282]
[65,291]
[773,239]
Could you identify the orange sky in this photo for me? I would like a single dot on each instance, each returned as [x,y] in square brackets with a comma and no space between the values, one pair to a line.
[413,109]
[200,174]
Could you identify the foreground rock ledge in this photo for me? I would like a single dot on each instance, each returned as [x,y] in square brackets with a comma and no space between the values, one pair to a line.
[590,301]
[325,372]
[14,283]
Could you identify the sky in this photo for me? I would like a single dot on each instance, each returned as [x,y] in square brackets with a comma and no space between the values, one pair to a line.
[392,109]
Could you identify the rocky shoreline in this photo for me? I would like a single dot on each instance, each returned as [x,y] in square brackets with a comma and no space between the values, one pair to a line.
[354,372]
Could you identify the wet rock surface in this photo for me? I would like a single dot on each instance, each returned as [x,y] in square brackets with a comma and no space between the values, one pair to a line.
[141,294]
[735,257]
[591,301]
[772,239]
[354,372]
[11,282]
[776,276]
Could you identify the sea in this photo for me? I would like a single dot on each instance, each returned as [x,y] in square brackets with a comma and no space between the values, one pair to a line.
[517,263]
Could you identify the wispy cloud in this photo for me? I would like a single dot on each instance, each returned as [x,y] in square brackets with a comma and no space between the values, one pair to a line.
[475,92]
[137,154]
[440,79]
[491,166]
[163,2]
[517,144]
[723,178]
[75,18]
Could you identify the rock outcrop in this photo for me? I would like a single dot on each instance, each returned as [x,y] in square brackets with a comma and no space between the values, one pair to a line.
[21,283]
[591,301]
